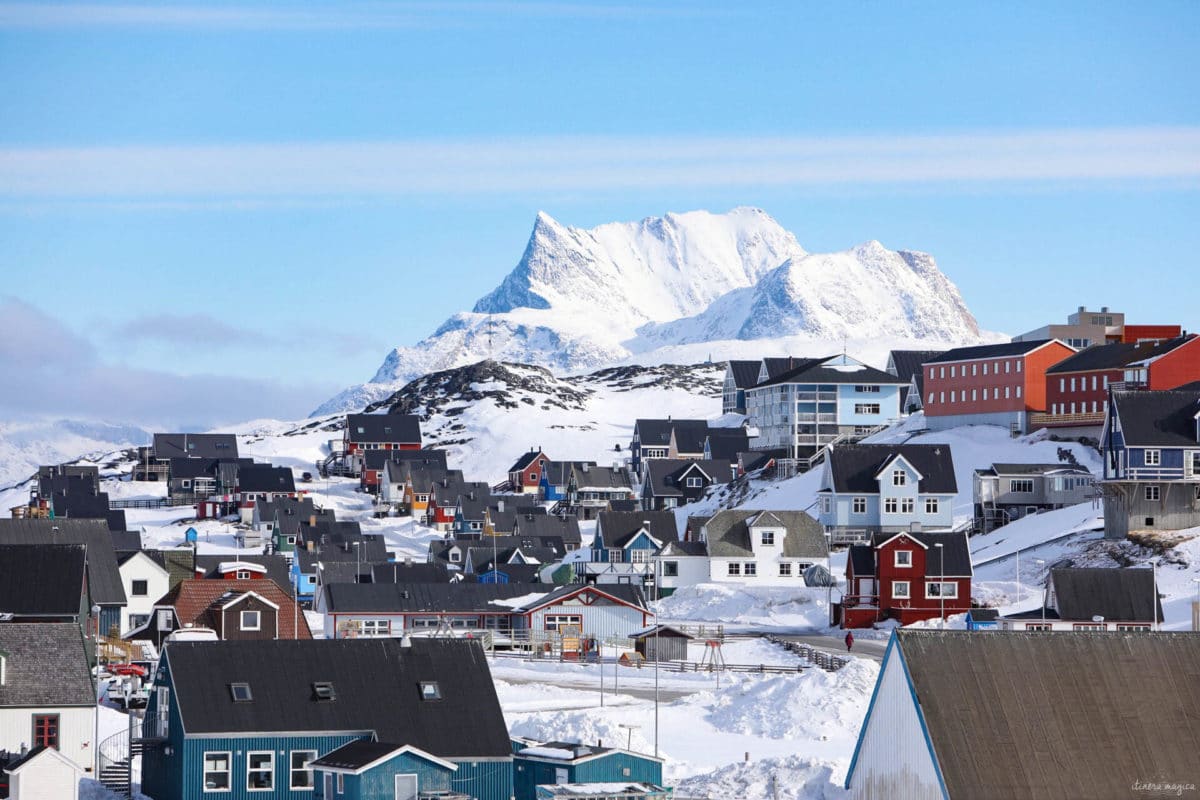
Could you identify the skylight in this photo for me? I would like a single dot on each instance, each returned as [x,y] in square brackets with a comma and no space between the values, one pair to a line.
[430,690]
[240,692]
[323,690]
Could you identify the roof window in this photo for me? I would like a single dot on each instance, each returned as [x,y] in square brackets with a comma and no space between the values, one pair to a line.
[240,692]
[430,690]
[323,690]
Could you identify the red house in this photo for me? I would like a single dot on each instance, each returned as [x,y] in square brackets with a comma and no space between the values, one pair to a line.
[525,474]
[1077,387]
[380,432]
[907,577]
[997,384]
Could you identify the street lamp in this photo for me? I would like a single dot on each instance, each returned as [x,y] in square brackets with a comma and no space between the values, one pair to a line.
[1041,563]
[357,566]
[1154,625]
[96,735]
[941,583]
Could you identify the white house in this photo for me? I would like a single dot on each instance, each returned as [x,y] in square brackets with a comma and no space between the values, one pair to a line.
[1093,599]
[42,774]
[46,691]
[145,580]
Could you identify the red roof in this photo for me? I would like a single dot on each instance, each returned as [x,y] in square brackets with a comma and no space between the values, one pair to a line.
[193,599]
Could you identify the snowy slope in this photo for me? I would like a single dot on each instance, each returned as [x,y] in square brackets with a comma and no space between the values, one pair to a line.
[579,299]
[24,446]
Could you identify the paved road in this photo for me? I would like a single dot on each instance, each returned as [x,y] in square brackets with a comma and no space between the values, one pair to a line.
[863,648]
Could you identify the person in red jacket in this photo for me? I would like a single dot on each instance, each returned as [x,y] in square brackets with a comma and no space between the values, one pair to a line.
[849,640]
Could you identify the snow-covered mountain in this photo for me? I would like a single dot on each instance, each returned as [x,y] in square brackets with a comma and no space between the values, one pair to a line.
[24,446]
[619,293]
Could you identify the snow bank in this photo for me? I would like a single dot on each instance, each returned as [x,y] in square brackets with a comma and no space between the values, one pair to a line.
[788,778]
[760,607]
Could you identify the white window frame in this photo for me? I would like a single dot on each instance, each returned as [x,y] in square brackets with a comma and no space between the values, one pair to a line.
[899,477]
[891,505]
[306,770]
[257,626]
[165,619]
[270,770]
[1152,457]
[907,505]
[785,569]
[750,569]
[205,771]
[767,538]
[1152,494]
[640,556]
[694,482]
[941,586]
[906,562]
[1012,485]
[858,505]
[896,590]
[733,569]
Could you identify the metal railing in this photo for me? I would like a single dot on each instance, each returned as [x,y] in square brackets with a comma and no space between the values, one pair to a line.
[1048,420]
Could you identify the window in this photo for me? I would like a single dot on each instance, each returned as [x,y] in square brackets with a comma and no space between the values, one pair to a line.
[974,395]
[1089,626]
[375,627]
[906,505]
[240,692]
[1072,384]
[1038,627]
[952,371]
[942,372]
[251,620]
[556,622]
[768,537]
[1153,458]
[785,569]
[903,558]
[670,569]
[1019,365]
[826,504]
[985,391]
[859,505]
[615,555]
[940,589]
[985,366]
[974,370]
[165,619]
[430,690]
[455,556]
[1021,486]
[243,575]
[323,691]
[341,783]
[260,771]
[867,389]
[639,556]
[216,772]
[140,588]
[1018,389]
[1128,627]
[1152,493]
[900,590]
[734,568]
[931,505]
[1008,366]
[45,730]
[695,483]
[751,569]
[890,505]
[1007,390]
[899,477]
[930,397]
[866,408]
[953,396]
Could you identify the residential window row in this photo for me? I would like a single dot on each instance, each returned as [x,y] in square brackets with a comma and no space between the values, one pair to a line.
[944,590]
[749,569]
[1098,382]
[260,770]
[961,397]
[1070,408]
[957,370]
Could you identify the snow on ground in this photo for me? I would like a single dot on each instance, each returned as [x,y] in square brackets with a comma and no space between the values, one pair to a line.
[740,606]
[1035,530]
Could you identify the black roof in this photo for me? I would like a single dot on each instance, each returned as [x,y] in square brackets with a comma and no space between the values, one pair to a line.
[1158,418]
[420,597]
[371,550]
[853,467]
[525,460]
[745,373]
[104,577]
[376,686]
[405,572]
[822,371]
[356,754]
[543,525]
[726,443]
[657,432]
[439,548]
[1116,355]
[908,362]
[45,665]
[197,467]
[663,474]
[41,580]
[780,365]
[528,574]
[862,559]
[265,478]
[276,565]
[195,445]
[989,351]
[984,614]
[397,428]
[618,527]
[954,548]
[376,459]
[687,548]
[126,542]
[689,436]
[1032,469]
[1118,595]
[483,552]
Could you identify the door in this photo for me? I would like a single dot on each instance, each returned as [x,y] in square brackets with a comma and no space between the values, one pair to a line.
[328,791]
[406,787]
[561,775]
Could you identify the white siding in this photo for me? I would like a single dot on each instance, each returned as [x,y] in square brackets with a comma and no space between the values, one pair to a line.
[43,778]
[142,568]
[76,726]
[692,570]
[893,760]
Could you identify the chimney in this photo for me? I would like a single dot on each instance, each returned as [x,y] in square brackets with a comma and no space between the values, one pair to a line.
[406,640]
[312,520]
[309,545]
[585,466]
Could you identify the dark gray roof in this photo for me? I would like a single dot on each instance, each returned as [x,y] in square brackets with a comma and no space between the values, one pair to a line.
[909,362]
[125,542]
[984,614]
[1167,419]
[602,478]
[196,467]
[525,460]
[421,597]
[780,366]
[276,565]
[356,754]
[684,548]
[398,428]
[726,443]
[663,474]
[104,577]
[1032,469]
[542,525]
[1098,712]
[625,592]
[195,445]
[416,572]
[41,580]
[618,527]
[657,432]
[954,549]
[862,560]
[558,473]
[1006,349]
[1116,355]
[482,553]
[439,548]
[1118,595]
[822,371]
[376,459]
[528,574]
[689,436]
[728,533]
[745,373]
[853,467]
[376,683]
[45,665]
[265,478]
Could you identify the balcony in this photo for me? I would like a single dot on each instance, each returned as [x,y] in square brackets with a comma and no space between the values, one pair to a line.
[1044,420]
[818,418]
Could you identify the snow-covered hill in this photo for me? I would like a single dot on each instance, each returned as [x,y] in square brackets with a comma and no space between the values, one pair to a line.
[622,292]
[24,446]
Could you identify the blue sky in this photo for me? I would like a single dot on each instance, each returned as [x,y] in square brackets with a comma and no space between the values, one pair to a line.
[275,194]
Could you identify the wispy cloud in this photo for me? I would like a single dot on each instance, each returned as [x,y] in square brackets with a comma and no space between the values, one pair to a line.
[312,16]
[257,173]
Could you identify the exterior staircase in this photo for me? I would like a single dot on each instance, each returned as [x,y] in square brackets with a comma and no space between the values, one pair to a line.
[116,761]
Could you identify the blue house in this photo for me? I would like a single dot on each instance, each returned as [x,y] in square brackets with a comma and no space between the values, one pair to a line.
[983,619]
[549,763]
[370,770]
[1151,448]
[249,719]
[557,478]
[354,549]
[625,543]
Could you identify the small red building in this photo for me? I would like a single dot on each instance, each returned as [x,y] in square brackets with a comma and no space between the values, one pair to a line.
[381,432]
[997,384]
[907,577]
[525,475]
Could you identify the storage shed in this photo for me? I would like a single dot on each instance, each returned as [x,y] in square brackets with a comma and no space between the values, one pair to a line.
[43,772]
[661,643]
[983,619]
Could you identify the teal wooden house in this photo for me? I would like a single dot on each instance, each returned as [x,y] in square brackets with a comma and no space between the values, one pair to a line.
[561,763]
[250,720]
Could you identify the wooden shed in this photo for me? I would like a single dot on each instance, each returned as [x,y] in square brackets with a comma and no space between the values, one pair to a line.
[661,643]
[43,772]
